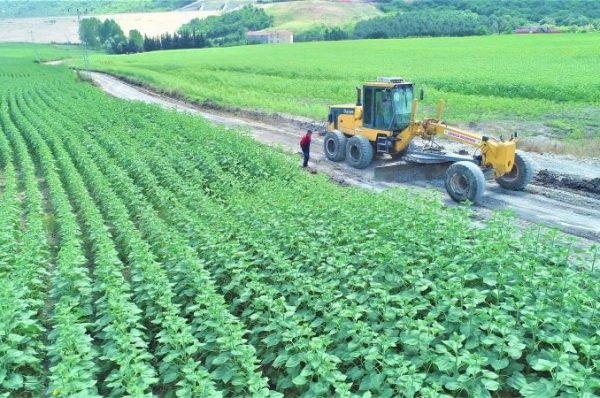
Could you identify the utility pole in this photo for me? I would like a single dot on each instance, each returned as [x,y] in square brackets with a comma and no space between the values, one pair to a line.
[37,54]
[86,62]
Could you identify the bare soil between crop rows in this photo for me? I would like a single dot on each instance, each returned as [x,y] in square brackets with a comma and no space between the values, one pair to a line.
[565,193]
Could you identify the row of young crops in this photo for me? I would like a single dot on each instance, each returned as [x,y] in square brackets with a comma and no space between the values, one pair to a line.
[146,252]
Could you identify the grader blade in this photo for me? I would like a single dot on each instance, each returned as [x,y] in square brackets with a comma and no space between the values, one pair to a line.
[418,165]
[403,171]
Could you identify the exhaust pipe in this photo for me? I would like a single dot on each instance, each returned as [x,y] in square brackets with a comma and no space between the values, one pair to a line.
[358,96]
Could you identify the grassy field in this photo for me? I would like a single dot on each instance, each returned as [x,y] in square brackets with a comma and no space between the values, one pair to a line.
[142,254]
[532,83]
[42,52]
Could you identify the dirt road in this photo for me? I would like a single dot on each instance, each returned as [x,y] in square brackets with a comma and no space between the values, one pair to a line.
[576,213]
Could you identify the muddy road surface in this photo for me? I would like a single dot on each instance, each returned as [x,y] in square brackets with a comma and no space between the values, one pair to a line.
[547,201]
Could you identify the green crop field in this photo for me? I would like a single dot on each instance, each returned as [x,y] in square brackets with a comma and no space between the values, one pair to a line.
[42,52]
[531,80]
[141,253]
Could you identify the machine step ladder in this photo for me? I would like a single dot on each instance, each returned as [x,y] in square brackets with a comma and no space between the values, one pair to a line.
[382,144]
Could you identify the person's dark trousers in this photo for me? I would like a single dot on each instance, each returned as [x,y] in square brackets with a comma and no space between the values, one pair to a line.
[306,152]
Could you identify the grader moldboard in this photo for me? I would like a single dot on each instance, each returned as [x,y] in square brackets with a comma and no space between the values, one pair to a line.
[383,121]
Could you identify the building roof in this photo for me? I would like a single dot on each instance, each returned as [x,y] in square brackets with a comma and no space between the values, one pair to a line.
[536,29]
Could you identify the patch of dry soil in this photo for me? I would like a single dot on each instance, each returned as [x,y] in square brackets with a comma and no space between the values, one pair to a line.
[64,29]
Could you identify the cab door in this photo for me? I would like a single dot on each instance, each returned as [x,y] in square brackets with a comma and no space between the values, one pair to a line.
[378,109]
[368,97]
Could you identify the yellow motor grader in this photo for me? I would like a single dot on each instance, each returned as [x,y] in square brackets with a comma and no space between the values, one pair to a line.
[383,121]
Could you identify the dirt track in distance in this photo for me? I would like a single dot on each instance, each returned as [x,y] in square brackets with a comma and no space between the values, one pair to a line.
[573,212]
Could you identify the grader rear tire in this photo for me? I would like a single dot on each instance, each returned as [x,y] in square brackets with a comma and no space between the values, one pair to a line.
[334,146]
[520,175]
[359,152]
[465,181]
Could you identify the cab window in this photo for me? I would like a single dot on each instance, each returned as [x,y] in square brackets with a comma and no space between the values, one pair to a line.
[368,106]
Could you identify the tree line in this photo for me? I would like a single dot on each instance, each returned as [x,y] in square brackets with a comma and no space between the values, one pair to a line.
[423,23]
[463,18]
[415,24]
[560,13]
[502,16]
[224,30]
[109,36]
[168,41]
[229,28]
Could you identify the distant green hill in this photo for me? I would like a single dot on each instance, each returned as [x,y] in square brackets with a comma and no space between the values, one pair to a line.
[290,15]
[470,17]
[43,8]
[299,16]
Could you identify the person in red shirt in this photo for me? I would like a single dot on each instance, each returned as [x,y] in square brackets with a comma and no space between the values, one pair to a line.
[305,145]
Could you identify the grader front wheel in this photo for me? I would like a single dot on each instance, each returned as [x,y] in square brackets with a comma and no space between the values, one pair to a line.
[334,146]
[465,181]
[359,152]
[520,175]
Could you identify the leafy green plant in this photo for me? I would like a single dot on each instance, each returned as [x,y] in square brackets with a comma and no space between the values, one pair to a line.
[71,352]
[147,252]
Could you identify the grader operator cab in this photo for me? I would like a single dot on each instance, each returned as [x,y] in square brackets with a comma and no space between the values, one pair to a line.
[383,121]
